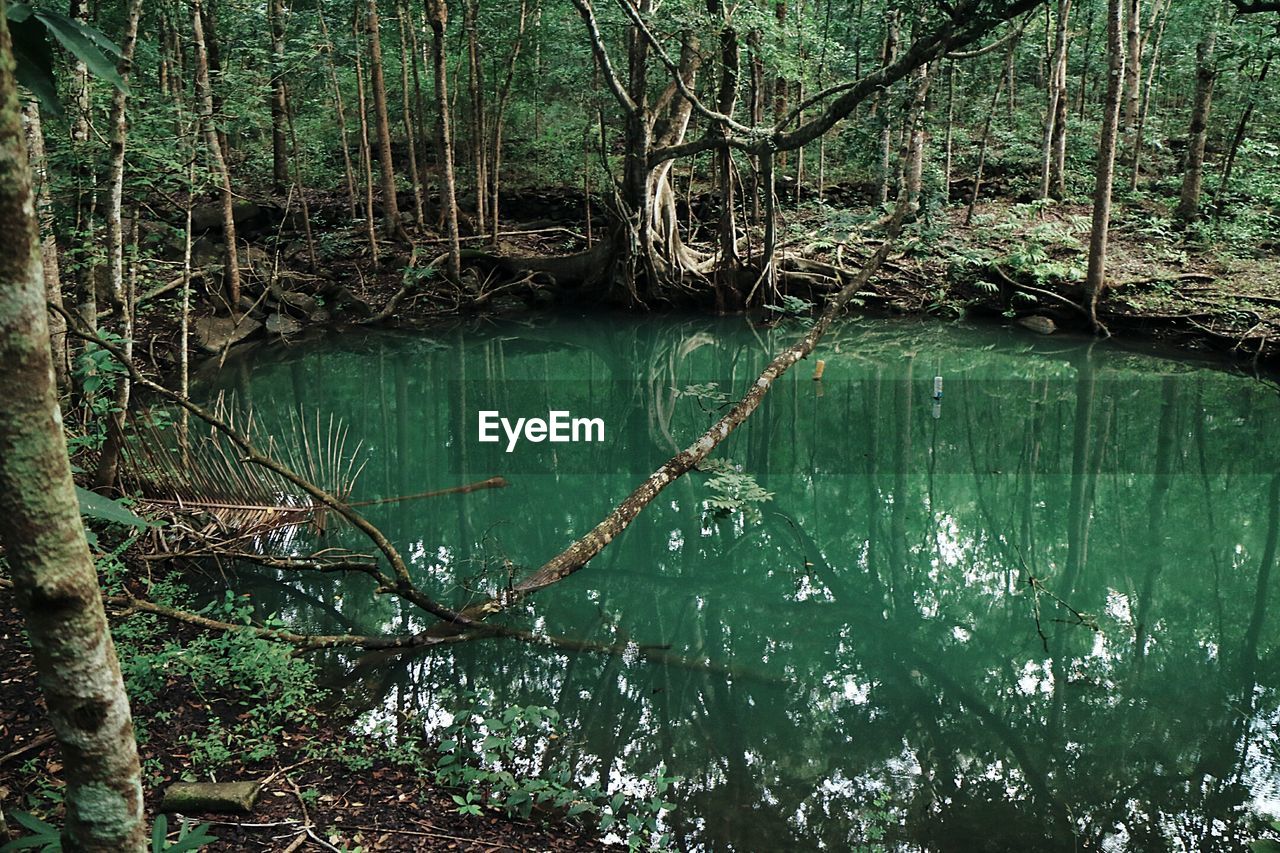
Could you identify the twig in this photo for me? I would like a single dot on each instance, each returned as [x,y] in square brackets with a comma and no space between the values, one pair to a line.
[36,743]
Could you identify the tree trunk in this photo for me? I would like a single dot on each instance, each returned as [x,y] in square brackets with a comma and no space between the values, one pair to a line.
[882,105]
[108,461]
[1056,84]
[1159,18]
[1095,278]
[913,140]
[1206,76]
[296,157]
[55,582]
[347,170]
[479,136]
[48,241]
[377,80]
[279,144]
[86,184]
[213,142]
[1133,65]
[499,118]
[366,155]
[949,134]
[1238,136]
[438,17]
[402,14]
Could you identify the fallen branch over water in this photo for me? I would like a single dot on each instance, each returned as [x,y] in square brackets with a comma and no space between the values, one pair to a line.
[584,549]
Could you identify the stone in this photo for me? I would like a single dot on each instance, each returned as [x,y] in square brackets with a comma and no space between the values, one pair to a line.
[214,334]
[302,302]
[1038,323]
[219,797]
[283,325]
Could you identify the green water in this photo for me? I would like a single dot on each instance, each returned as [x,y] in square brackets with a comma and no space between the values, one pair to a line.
[864,655]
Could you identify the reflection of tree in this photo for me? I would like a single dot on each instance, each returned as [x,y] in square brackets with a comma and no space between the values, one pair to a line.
[866,637]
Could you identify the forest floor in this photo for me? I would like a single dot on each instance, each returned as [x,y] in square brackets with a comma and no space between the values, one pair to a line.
[311,799]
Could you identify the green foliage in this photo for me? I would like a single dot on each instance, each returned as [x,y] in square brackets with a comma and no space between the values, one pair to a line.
[30,29]
[253,688]
[96,372]
[43,835]
[792,306]
[113,510]
[188,838]
[49,838]
[499,758]
[732,489]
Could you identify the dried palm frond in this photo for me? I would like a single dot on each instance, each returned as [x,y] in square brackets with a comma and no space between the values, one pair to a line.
[209,480]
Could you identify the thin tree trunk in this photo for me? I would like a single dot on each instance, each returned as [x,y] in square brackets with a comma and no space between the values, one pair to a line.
[949,136]
[1159,20]
[204,94]
[402,13]
[1133,65]
[438,18]
[1238,136]
[302,191]
[1056,84]
[1058,164]
[347,170]
[1095,277]
[377,81]
[184,320]
[1188,209]
[1088,58]
[881,107]
[499,119]
[986,134]
[478,135]
[48,241]
[366,155]
[86,184]
[279,145]
[55,582]
[110,457]
[913,139]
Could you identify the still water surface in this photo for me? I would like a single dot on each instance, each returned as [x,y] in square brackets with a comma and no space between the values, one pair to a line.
[867,651]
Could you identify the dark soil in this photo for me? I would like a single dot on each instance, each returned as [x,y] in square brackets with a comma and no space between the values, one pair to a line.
[382,808]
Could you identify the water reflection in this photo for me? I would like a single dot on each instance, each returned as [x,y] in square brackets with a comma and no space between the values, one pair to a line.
[1038,621]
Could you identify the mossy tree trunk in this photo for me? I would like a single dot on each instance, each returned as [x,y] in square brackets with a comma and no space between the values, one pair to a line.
[1095,278]
[49,241]
[1206,76]
[391,224]
[56,586]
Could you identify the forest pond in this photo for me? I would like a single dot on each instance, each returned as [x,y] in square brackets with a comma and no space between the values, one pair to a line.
[1038,614]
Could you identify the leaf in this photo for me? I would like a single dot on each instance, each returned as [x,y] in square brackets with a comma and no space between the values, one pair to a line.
[84,43]
[34,823]
[159,833]
[102,508]
[34,69]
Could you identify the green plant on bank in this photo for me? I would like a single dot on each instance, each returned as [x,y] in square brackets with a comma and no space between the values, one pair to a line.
[261,687]
[792,306]
[732,489]
[48,838]
[490,755]
[96,374]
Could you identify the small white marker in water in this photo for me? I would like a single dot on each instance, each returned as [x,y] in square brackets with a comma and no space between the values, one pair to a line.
[937,387]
